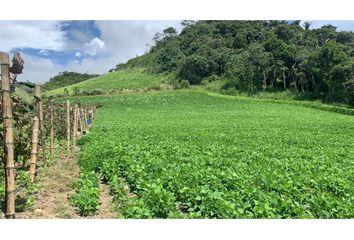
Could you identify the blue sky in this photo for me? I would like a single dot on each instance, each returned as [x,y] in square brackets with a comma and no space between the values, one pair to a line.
[49,47]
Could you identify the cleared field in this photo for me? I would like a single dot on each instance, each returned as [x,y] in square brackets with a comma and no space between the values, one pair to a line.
[123,79]
[186,154]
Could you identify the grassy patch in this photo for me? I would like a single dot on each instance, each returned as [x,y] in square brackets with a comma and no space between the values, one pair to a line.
[116,81]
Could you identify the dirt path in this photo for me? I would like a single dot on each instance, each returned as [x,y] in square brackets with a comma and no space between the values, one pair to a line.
[56,185]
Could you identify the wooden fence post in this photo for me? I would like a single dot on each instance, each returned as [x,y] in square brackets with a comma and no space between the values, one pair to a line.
[51,106]
[80,121]
[75,125]
[83,122]
[32,170]
[68,125]
[85,116]
[41,124]
[8,155]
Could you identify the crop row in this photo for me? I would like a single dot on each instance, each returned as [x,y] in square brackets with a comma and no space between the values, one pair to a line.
[190,155]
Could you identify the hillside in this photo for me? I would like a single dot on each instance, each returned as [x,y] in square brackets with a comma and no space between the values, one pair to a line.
[66,78]
[258,56]
[136,78]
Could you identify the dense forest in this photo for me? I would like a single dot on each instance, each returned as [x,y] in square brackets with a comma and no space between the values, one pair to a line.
[66,78]
[254,56]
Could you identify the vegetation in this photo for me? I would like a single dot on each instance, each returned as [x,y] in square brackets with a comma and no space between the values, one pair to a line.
[87,195]
[66,78]
[256,56]
[188,154]
[116,82]
[23,113]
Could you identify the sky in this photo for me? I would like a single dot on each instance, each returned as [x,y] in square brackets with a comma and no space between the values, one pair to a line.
[50,47]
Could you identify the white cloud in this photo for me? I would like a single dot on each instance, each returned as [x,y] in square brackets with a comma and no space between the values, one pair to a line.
[119,41]
[78,54]
[126,39]
[38,69]
[44,52]
[31,34]
[95,46]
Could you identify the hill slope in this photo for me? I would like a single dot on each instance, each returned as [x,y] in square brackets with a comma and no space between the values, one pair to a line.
[123,79]
[258,56]
[66,78]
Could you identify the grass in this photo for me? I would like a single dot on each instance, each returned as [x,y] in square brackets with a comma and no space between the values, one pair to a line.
[187,154]
[123,79]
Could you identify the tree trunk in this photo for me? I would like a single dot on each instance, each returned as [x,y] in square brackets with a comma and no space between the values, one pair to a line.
[274,77]
[302,87]
[8,151]
[313,82]
[284,79]
[264,80]
[296,87]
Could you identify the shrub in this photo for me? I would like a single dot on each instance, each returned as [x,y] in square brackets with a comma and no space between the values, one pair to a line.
[76,91]
[95,91]
[184,84]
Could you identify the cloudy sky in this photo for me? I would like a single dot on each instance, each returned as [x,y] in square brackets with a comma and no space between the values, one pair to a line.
[49,47]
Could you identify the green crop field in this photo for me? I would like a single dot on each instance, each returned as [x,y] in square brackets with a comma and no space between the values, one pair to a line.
[123,79]
[187,154]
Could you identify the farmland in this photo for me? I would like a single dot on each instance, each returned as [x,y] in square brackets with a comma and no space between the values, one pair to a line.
[189,154]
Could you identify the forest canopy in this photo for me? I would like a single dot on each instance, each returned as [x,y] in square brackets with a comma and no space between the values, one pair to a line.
[254,56]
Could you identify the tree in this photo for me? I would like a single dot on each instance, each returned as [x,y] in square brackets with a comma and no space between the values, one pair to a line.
[187,23]
[169,32]
[251,68]
[258,55]
[262,60]
[194,68]
[307,25]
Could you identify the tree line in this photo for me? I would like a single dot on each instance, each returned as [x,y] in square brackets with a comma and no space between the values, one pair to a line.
[254,56]
[66,78]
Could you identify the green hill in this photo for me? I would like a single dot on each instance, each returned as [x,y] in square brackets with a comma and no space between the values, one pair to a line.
[258,56]
[242,57]
[137,78]
[66,78]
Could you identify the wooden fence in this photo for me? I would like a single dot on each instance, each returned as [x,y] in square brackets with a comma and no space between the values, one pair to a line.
[76,116]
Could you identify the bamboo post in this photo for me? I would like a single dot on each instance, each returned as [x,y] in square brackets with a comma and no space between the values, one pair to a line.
[35,130]
[41,124]
[68,125]
[83,122]
[85,114]
[80,121]
[51,106]
[8,155]
[75,128]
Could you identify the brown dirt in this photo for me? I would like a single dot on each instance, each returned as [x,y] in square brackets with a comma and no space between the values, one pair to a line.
[56,186]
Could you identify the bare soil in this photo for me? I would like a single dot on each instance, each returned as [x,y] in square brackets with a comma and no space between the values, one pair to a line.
[56,186]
